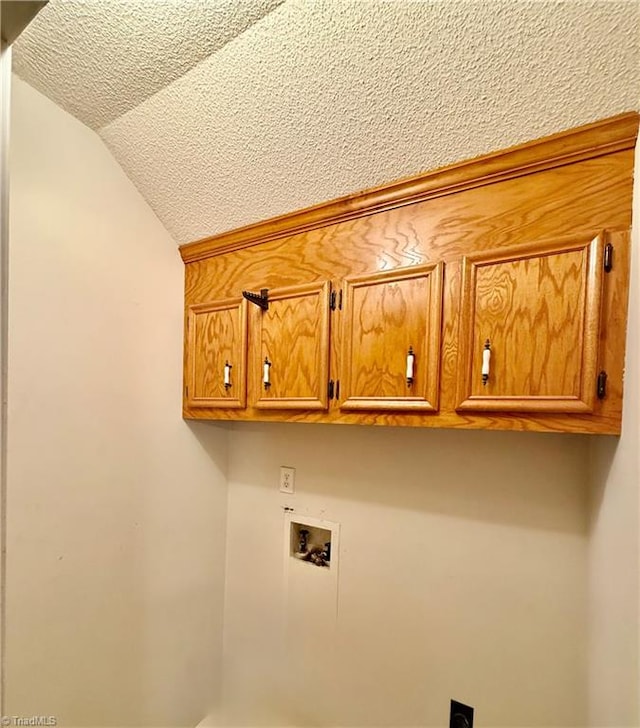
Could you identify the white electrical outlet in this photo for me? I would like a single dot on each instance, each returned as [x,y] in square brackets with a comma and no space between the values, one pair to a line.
[287,479]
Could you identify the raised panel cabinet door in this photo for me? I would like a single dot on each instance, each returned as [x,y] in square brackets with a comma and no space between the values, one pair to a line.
[217,354]
[392,324]
[529,327]
[291,349]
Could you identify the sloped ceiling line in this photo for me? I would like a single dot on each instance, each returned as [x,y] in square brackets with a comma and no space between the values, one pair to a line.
[99,59]
[323,98]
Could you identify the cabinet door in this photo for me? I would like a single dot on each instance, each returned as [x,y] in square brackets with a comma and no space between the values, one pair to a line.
[389,318]
[537,309]
[291,348]
[216,354]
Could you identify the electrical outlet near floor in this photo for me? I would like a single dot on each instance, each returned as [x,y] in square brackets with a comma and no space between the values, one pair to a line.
[287,479]
[460,715]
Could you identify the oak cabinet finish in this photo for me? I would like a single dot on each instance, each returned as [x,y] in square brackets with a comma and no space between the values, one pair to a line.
[216,338]
[389,318]
[536,309]
[292,340]
[515,242]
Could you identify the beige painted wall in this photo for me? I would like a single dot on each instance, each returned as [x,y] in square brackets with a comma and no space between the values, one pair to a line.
[116,507]
[5,88]
[466,557]
[614,542]
[462,574]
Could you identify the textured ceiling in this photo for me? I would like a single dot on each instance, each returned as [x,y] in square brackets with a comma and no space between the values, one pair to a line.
[99,58]
[325,97]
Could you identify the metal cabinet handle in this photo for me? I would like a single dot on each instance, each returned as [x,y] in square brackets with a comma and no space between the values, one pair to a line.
[266,373]
[227,375]
[411,358]
[486,361]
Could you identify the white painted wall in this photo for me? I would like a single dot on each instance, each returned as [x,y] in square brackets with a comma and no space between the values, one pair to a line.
[614,540]
[116,507]
[462,574]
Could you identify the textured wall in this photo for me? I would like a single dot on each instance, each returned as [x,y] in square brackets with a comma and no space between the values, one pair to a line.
[227,112]
[327,97]
[116,511]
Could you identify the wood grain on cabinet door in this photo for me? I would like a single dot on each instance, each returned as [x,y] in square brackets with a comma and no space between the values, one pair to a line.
[293,336]
[539,307]
[386,315]
[217,337]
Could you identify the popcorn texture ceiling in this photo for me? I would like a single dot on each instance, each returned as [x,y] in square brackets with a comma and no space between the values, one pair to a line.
[99,58]
[321,98]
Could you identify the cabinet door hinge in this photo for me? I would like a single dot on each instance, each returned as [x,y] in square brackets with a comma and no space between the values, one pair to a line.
[335,300]
[602,385]
[330,389]
[608,257]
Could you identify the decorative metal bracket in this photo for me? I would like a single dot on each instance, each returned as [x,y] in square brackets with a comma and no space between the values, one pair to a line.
[260,299]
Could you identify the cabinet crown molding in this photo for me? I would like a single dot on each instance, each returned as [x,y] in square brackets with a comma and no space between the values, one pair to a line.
[593,140]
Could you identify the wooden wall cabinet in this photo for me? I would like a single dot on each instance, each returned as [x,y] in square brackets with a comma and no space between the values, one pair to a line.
[533,311]
[290,350]
[523,254]
[391,340]
[216,354]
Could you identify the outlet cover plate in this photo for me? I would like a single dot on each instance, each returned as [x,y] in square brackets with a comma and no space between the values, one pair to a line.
[287,479]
